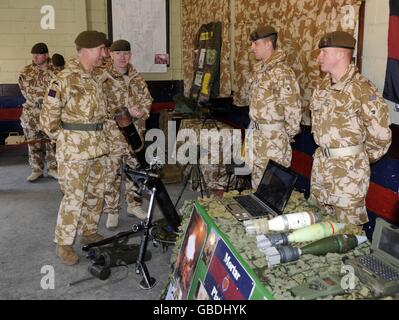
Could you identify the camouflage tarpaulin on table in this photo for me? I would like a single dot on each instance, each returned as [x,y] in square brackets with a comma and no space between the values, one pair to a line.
[281,278]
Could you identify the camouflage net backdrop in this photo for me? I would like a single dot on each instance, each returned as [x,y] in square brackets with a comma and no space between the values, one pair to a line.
[300,24]
[281,278]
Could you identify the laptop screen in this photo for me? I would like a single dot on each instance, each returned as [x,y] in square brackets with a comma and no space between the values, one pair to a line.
[276,186]
[389,242]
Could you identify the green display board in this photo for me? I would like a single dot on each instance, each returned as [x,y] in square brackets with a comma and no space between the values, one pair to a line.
[209,268]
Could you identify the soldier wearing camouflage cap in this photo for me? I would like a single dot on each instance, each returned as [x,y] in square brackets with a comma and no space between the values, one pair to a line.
[33,82]
[350,123]
[124,88]
[274,104]
[73,115]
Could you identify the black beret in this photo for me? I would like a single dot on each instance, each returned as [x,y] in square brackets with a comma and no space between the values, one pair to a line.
[58,60]
[120,45]
[337,39]
[262,32]
[39,48]
[90,39]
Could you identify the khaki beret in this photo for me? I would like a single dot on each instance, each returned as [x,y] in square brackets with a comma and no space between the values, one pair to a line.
[262,32]
[120,45]
[107,41]
[39,48]
[58,60]
[337,39]
[90,39]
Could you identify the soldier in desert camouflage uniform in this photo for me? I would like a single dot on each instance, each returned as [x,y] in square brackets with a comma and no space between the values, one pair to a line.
[58,62]
[73,114]
[350,123]
[274,104]
[33,82]
[124,88]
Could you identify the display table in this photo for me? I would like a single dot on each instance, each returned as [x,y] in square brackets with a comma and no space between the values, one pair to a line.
[278,280]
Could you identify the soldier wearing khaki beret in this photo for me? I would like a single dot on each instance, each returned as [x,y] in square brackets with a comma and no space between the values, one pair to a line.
[274,103]
[73,115]
[350,123]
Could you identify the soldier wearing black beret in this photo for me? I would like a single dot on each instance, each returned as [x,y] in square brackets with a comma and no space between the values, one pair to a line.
[58,61]
[33,82]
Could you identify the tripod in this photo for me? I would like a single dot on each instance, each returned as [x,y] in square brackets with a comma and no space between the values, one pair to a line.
[195,172]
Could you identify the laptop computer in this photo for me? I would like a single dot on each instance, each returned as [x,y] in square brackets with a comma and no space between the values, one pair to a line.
[380,269]
[270,198]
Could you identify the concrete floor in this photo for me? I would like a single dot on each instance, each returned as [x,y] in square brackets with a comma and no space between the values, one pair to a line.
[28,213]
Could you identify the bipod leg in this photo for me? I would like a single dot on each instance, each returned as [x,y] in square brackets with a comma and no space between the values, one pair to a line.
[148,282]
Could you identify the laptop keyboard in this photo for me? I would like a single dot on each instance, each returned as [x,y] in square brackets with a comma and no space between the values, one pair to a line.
[378,267]
[251,205]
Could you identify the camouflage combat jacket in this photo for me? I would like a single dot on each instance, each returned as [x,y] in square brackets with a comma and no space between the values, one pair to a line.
[348,113]
[274,96]
[33,83]
[75,96]
[122,93]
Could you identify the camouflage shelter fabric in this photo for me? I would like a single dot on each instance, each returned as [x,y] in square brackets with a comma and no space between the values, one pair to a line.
[300,25]
[281,278]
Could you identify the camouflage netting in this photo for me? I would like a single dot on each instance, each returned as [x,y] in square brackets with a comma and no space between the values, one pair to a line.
[300,24]
[281,278]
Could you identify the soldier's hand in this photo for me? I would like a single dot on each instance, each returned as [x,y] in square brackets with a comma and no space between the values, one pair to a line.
[135,112]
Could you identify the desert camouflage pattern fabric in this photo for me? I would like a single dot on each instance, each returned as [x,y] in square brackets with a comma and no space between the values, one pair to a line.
[214,173]
[300,25]
[348,113]
[274,100]
[113,183]
[122,92]
[281,278]
[75,96]
[33,82]
[83,185]
[194,15]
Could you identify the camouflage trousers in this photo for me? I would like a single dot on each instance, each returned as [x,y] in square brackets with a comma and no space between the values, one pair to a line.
[83,185]
[114,177]
[40,153]
[268,144]
[340,185]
